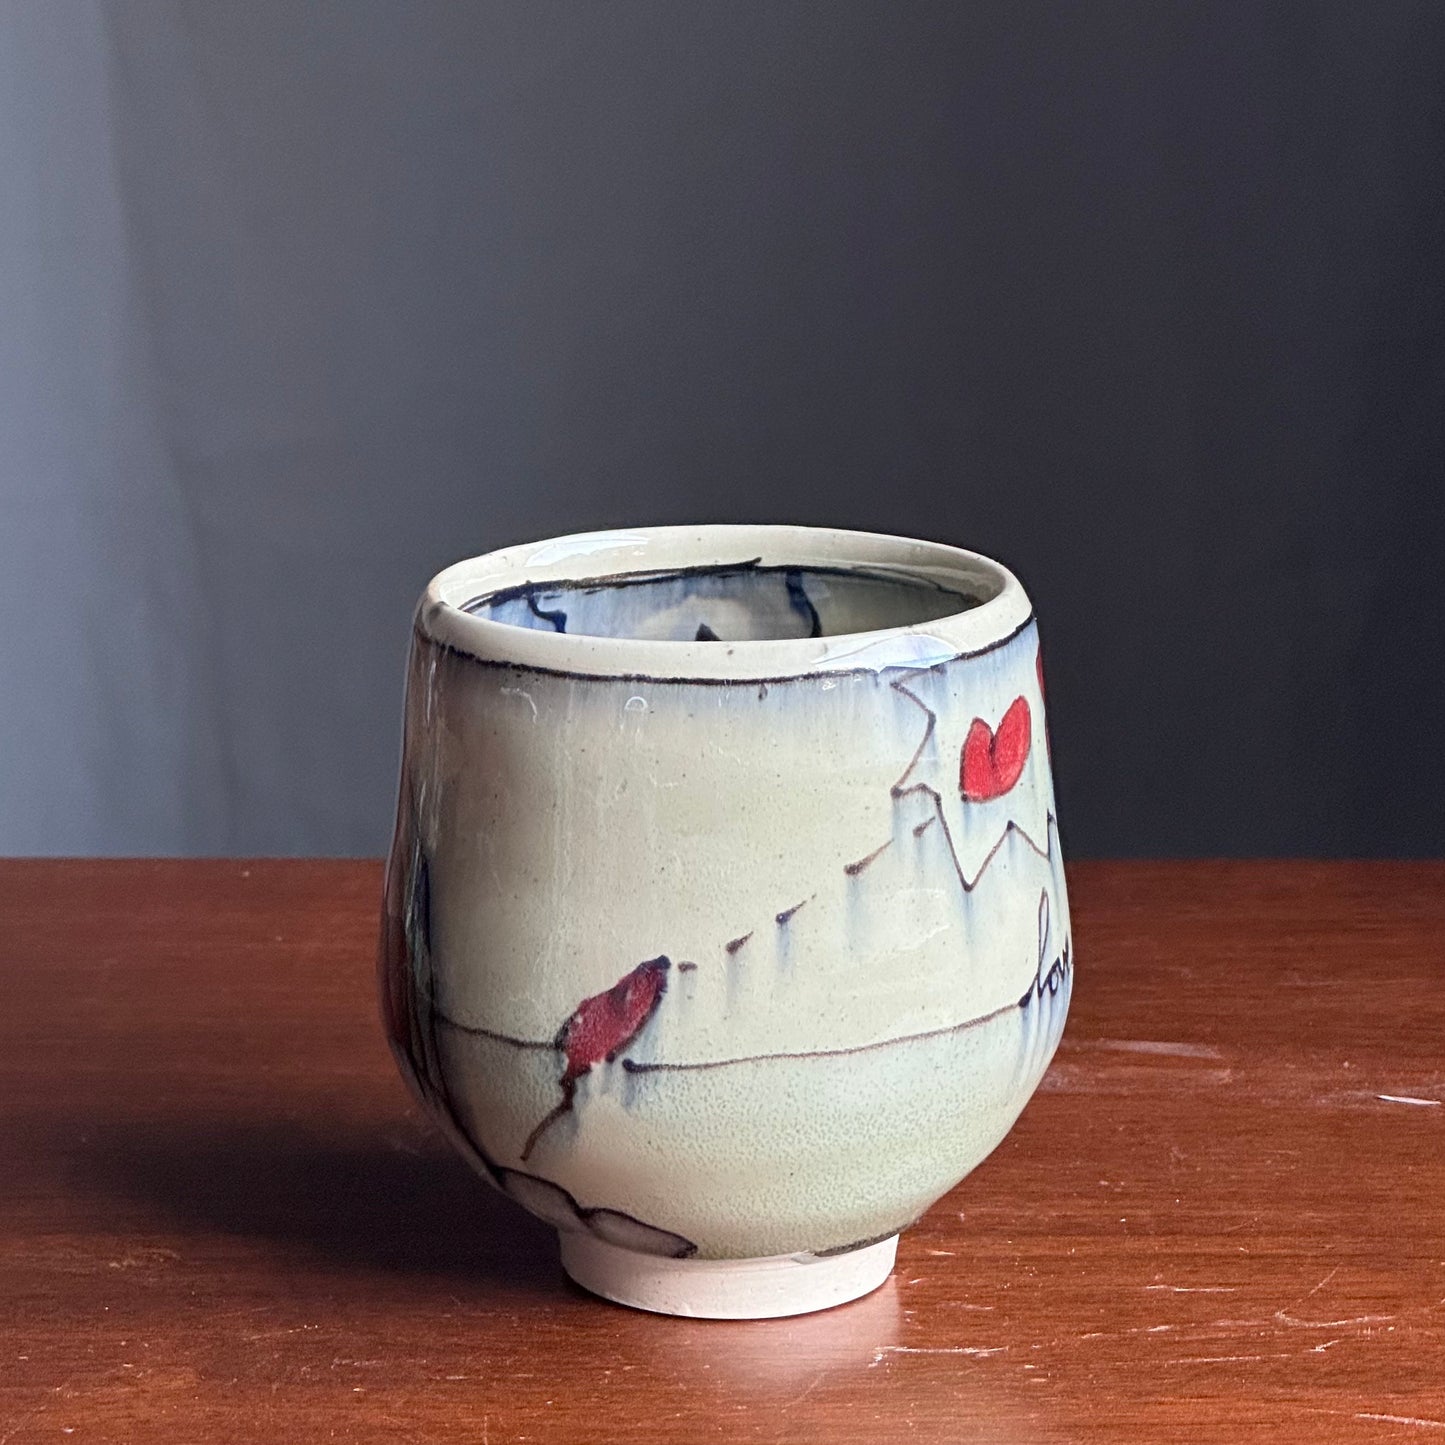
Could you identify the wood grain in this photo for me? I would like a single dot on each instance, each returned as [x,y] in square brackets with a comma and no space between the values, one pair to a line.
[1222,1217]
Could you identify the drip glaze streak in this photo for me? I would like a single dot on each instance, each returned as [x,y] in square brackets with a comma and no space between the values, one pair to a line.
[900,789]
[1045,982]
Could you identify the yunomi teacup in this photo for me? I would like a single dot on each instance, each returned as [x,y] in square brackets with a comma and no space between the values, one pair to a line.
[725,925]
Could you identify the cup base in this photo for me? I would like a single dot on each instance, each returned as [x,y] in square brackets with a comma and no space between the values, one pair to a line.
[726,1289]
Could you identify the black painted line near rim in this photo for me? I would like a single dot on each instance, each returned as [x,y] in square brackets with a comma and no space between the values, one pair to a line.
[813,675]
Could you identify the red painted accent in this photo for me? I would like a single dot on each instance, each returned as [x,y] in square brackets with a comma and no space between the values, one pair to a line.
[992,761]
[608,1021]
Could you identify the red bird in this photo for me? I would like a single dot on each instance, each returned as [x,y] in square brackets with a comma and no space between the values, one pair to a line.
[607,1022]
[600,1027]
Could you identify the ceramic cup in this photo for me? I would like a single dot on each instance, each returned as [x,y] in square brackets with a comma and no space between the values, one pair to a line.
[725,925]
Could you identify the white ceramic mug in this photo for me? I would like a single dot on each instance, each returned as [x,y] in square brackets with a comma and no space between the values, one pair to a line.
[725,924]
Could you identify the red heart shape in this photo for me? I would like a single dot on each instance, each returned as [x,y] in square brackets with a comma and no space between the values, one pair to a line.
[992,762]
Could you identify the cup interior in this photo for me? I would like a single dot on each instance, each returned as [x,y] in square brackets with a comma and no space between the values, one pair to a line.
[748,601]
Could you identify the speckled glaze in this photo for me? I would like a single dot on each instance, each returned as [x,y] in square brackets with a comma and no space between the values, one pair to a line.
[725,918]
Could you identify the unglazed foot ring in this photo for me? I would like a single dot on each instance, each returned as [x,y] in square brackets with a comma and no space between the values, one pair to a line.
[726,1289]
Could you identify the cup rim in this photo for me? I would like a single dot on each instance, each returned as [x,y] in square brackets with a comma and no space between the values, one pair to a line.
[582,557]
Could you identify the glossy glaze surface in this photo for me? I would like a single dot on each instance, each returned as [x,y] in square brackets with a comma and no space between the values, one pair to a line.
[754,954]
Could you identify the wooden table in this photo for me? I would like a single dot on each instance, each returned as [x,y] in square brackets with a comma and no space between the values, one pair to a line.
[1222,1218]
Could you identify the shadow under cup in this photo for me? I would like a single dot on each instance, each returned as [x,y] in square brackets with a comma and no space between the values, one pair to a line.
[725,922]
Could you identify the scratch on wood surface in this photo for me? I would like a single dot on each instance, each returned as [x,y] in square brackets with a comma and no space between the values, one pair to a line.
[1419,1420]
[1408,1099]
[1155,1046]
[1131,1330]
[978,1351]
[1299,1324]
[1317,1288]
[1284,1317]
[1226,1359]
[806,1391]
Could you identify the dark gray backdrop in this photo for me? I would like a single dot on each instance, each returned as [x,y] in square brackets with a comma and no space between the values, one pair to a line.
[299,302]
